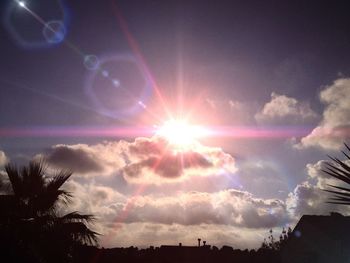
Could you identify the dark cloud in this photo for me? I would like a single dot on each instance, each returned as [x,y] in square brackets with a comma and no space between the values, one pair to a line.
[76,159]
[146,160]
[148,147]
[168,165]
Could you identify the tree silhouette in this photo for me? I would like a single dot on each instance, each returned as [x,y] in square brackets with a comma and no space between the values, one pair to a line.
[273,244]
[30,223]
[341,171]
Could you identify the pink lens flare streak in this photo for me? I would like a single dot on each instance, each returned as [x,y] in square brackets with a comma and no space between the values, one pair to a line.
[112,132]
[272,132]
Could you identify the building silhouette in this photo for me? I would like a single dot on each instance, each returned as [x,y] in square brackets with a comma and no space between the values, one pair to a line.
[175,254]
[319,239]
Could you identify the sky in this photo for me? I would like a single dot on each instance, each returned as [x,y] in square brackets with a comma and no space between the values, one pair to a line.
[88,85]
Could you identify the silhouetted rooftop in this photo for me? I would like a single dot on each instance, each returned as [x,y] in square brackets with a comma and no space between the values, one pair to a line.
[319,239]
[333,226]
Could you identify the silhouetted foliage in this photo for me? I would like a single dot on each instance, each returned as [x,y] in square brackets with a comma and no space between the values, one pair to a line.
[341,171]
[273,244]
[176,254]
[32,229]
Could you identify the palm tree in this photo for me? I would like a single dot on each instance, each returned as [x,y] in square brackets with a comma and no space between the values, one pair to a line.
[341,171]
[30,220]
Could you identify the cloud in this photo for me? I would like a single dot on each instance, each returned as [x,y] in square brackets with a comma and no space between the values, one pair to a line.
[308,197]
[146,160]
[154,160]
[162,219]
[86,160]
[334,127]
[93,198]
[4,181]
[322,179]
[314,170]
[3,159]
[227,207]
[79,158]
[5,185]
[157,204]
[168,165]
[317,175]
[285,110]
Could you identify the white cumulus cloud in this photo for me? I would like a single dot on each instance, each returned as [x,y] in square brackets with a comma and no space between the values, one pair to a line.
[282,109]
[334,128]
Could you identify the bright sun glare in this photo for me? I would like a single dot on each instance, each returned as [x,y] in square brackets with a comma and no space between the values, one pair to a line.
[21,4]
[180,133]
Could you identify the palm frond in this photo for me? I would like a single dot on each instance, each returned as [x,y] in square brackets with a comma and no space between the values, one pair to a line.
[80,232]
[337,176]
[15,179]
[34,178]
[337,203]
[33,208]
[77,217]
[346,155]
[338,193]
[342,164]
[50,196]
[339,187]
[340,198]
[334,169]
[58,180]
[341,171]
[50,201]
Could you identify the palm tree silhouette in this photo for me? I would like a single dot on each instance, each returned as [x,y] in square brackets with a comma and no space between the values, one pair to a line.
[341,171]
[30,220]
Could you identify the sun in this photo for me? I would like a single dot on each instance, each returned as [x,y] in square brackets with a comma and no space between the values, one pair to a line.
[21,4]
[180,133]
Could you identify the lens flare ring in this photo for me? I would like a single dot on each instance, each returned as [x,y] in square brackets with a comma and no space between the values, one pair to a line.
[15,12]
[125,111]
